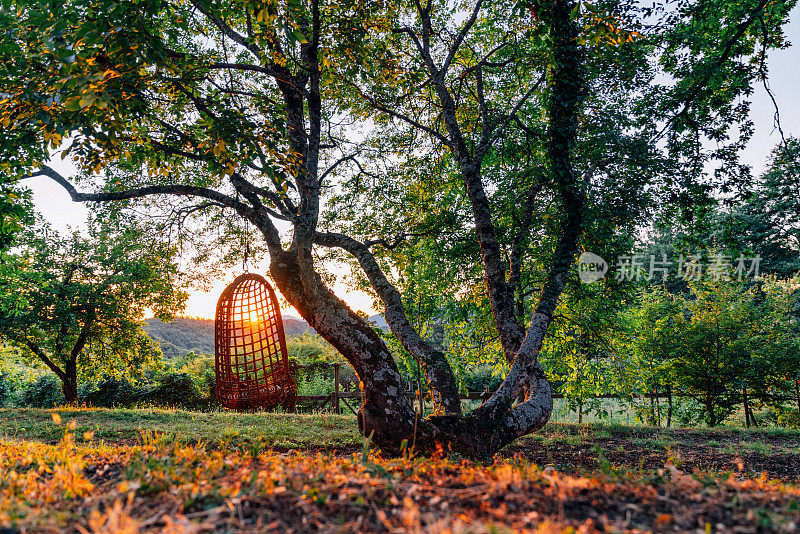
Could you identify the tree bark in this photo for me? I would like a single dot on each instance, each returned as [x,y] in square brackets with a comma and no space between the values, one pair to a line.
[386,410]
[712,419]
[797,393]
[669,407]
[746,408]
[433,362]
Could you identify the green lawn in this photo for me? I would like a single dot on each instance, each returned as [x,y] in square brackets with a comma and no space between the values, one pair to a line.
[125,426]
[327,431]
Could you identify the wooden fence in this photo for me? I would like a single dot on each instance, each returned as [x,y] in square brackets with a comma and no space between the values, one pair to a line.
[351,399]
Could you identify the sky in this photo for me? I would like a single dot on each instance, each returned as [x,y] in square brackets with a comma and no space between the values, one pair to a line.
[784,66]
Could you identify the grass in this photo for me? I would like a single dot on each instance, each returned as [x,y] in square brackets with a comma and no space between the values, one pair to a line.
[124,426]
[319,430]
[323,431]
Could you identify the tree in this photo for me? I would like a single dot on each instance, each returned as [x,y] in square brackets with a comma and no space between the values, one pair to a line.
[76,302]
[760,220]
[243,106]
[14,214]
[724,344]
[579,354]
[771,210]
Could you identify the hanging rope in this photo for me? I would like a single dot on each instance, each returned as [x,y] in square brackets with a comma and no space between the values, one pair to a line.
[246,245]
[245,241]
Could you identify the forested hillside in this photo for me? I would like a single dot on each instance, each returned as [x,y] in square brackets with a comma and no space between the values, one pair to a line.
[186,334]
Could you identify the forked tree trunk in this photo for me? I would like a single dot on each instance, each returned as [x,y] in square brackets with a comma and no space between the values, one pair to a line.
[387,413]
[432,361]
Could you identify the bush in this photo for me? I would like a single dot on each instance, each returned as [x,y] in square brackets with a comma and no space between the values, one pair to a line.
[5,390]
[309,349]
[111,393]
[176,390]
[480,378]
[687,411]
[45,392]
[789,419]
[200,368]
[315,383]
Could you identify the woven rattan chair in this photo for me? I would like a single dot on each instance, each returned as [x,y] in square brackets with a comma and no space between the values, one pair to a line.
[251,362]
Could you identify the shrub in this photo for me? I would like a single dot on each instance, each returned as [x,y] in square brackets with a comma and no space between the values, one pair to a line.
[310,349]
[480,378]
[687,411]
[5,390]
[176,390]
[789,419]
[347,376]
[314,383]
[110,393]
[45,392]
[200,368]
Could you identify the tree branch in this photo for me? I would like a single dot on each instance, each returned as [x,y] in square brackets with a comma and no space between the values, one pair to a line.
[434,363]
[241,66]
[430,131]
[84,333]
[342,160]
[47,361]
[460,37]
[727,49]
[140,192]
[228,31]
[492,132]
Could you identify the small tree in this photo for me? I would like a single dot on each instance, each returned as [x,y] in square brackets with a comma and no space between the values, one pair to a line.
[578,354]
[643,365]
[718,343]
[777,369]
[76,302]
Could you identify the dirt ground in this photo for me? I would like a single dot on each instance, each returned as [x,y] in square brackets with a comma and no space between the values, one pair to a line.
[750,453]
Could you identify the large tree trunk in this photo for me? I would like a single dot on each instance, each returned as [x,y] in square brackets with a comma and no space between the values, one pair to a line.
[386,410]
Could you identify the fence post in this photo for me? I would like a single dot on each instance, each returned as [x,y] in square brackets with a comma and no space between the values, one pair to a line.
[336,388]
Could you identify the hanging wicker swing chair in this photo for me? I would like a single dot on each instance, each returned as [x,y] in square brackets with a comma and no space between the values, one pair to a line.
[251,362]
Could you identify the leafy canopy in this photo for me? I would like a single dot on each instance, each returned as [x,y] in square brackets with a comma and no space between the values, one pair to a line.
[80,299]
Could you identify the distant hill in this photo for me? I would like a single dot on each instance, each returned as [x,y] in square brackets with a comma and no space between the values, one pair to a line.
[184,335]
[379,321]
